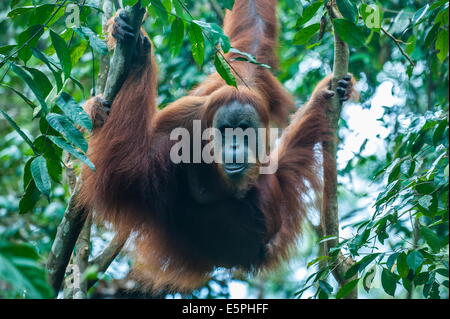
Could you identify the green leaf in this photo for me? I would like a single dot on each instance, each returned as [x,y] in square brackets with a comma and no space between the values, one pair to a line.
[64,126]
[349,32]
[439,131]
[31,84]
[434,292]
[55,70]
[14,3]
[198,43]
[407,284]
[5,49]
[18,250]
[224,70]
[420,14]
[425,188]
[408,167]
[367,260]
[34,14]
[19,11]
[27,40]
[425,201]
[41,80]
[381,232]
[429,284]
[346,289]
[411,44]
[421,278]
[40,175]
[418,143]
[63,53]
[27,178]
[159,11]
[30,198]
[326,287]
[74,111]
[395,172]
[129,2]
[391,261]
[176,36]
[414,260]
[216,34]
[97,44]
[389,282]
[368,279]
[352,271]
[308,13]
[326,238]
[247,58]
[69,148]
[348,9]
[52,155]
[431,238]
[360,265]
[22,96]
[76,52]
[304,35]
[442,272]
[402,266]
[316,260]
[19,266]
[442,44]
[442,16]
[18,130]
[359,241]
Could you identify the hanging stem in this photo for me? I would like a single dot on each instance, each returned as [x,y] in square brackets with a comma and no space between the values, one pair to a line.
[329,216]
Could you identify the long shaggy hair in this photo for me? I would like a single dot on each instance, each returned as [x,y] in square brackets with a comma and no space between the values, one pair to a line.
[136,187]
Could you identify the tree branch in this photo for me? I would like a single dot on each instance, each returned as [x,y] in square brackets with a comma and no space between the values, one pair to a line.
[66,237]
[329,216]
[74,217]
[104,59]
[103,260]
[122,54]
[397,43]
[82,258]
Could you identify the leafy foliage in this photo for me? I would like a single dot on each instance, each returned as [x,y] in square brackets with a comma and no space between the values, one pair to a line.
[396,224]
[23,275]
[404,242]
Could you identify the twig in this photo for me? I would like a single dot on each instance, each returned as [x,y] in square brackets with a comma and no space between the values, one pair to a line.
[103,260]
[397,43]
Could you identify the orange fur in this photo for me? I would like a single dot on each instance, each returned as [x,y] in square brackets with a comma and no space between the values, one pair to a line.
[136,187]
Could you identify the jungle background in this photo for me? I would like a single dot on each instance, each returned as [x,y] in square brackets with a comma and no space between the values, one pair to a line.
[392,159]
